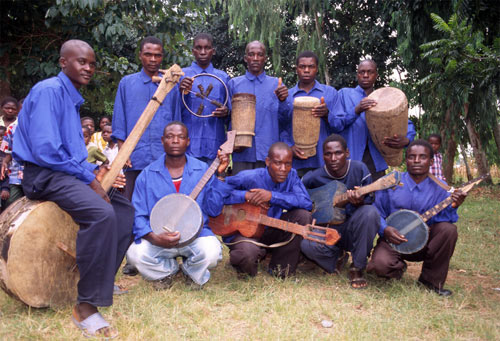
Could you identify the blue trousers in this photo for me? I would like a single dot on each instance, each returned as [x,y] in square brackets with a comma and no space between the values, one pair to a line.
[357,235]
[105,229]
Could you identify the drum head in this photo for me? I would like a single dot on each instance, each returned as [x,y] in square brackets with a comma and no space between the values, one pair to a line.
[177,212]
[412,226]
[322,198]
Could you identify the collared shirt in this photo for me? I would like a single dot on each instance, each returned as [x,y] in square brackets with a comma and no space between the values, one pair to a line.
[436,168]
[354,129]
[49,133]
[416,197]
[207,133]
[155,182]
[133,95]
[15,169]
[319,90]
[270,113]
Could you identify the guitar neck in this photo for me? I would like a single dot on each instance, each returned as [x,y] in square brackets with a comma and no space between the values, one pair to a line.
[342,198]
[283,225]
[204,179]
[436,209]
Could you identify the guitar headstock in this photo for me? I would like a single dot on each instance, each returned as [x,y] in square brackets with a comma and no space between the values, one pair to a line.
[228,146]
[468,186]
[392,179]
[329,237]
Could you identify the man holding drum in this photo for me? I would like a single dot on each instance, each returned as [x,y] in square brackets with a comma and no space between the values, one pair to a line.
[419,194]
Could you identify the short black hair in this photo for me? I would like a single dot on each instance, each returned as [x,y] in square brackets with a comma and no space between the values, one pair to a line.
[247,47]
[278,145]
[423,143]
[150,40]
[307,54]
[437,136]
[86,118]
[103,117]
[176,123]
[369,61]
[203,36]
[335,138]
[9,99]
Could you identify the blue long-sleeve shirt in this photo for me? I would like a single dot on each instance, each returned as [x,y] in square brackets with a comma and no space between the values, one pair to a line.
[133,95]
[416,197]
[269,113]
[49,133]
[155,182]
[206,134]
[354,129]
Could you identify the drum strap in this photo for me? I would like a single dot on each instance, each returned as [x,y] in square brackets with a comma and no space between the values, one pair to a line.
[272,246]
[439,183]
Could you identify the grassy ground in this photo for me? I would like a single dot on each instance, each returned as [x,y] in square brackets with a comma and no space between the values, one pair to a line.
[264,308]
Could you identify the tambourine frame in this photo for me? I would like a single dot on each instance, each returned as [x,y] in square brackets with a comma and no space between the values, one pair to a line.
[206,75]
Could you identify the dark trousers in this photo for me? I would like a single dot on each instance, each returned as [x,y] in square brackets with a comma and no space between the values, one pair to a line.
[436,255]
[246,256]
[105,229]
[130,176]
[241,165]
[357,235]
[368,161]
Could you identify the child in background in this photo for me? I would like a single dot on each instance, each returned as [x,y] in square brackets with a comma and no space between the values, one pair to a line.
[4,177]
[111,149]
[89,123]
[11,167]
[94,154]
[436,168]
[97,138]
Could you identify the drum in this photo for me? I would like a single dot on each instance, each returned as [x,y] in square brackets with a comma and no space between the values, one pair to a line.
[177,212]
[322,197]
[387,118]
[305,125]
[243,119]
[411,225]
[37,254]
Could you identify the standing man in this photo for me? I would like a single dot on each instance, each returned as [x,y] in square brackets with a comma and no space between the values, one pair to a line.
[207,133]
[49,142]
[349,121]
[419,194]
[271,108]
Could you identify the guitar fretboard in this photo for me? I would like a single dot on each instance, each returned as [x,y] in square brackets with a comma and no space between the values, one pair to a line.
[436,209]
[204,179]
[282,225]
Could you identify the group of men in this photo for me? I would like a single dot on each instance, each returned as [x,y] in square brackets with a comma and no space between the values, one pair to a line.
[177,148]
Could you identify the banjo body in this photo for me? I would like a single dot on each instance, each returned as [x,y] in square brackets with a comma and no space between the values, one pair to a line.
[411,225]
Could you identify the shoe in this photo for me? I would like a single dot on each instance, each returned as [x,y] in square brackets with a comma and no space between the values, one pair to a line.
[163,283]
[440,291]
[129,270]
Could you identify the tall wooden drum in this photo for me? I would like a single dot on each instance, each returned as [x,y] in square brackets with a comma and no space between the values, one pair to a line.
[387,118]
[305,125]
[243,119]
[37,249]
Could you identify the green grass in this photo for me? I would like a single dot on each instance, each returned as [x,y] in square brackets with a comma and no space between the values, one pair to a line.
[264,308]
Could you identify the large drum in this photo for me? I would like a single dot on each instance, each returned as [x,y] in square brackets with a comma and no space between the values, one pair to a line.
[243,119]
[387,118]
[305,125]
[37,250]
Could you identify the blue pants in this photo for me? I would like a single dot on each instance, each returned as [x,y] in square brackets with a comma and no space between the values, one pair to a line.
[357,235]
[105,229]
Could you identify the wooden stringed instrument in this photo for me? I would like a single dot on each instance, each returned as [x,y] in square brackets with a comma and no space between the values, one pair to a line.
[250,221]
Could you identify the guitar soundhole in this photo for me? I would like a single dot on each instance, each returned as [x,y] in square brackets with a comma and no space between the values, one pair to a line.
[240,215]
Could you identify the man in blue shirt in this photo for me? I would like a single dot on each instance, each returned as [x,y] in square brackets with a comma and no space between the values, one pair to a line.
[419,194]
[349,121]
[207,133]
[271,108]
[278,188]
[49,142]
[362,220]
[154,255]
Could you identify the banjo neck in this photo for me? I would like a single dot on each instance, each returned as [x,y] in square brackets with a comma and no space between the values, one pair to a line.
[204,179]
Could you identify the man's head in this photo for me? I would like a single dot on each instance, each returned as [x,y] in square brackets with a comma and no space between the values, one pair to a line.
[255,57]
[9,107]
[77,61]
[151,55]
[107,131]
[367,74]
[175,139]
[307,67]
[279,161]
[86,134]
[435,142]
[335,155]
[419,157]
[203,49]
[89,123]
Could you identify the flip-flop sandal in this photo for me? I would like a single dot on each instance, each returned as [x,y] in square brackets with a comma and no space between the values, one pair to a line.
[95,326]
[356,278]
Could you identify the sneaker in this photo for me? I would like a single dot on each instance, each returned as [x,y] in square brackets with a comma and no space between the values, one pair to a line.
[163,283]
[129,270]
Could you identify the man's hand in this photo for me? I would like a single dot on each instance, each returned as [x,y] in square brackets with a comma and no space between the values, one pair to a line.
[354,197]
[258,197]
[166,240]
[393,236]
[186,84]
[365,104]
[120,180]
[320,110]
[396,141]
[5,194]
[298,153]
[458,198]
[221,112]
[281,91]
[224,162]
[128,164]
[96,187]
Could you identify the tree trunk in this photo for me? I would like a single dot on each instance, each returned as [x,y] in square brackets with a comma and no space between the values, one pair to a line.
[450,150]
[496,133]
[467,168]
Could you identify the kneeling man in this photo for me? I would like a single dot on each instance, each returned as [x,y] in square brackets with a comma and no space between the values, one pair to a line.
[362,220]
[154,255]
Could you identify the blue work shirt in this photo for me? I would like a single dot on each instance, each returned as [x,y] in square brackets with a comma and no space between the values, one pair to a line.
[155,182]
[49,132]
[270,112]
[133,95]
[354,129]
[319,90]
[207,133]
[416,197]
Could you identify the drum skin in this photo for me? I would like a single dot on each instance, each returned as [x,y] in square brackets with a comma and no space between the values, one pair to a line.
[178,212]
[243,118]
[305,126]
[387,118]
[322,198]
[33,268]
[413,227]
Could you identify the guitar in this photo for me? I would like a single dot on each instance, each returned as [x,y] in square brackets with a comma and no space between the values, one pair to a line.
[181,212]
[327,198]
[250,220]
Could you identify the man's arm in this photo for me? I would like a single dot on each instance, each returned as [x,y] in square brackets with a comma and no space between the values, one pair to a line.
[342,114]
